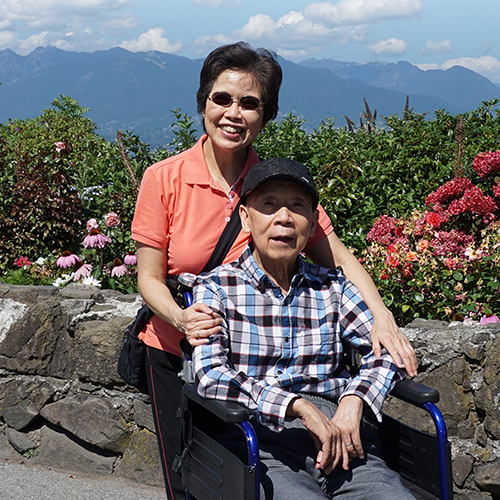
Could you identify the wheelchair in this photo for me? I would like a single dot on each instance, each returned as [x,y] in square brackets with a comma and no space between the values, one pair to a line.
[211,472]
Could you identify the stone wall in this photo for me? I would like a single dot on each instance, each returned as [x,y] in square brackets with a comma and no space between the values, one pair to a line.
[63,405]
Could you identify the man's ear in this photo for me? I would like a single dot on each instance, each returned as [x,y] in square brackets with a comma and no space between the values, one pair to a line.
[314,222]
[244,217]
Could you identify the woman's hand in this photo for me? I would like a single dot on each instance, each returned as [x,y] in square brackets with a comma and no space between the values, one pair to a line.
[385,332]
[198,322]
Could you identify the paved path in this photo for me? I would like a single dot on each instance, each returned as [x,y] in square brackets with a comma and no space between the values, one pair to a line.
[21,482]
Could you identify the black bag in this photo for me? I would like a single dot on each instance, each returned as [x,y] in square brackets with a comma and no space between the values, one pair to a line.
[132,360]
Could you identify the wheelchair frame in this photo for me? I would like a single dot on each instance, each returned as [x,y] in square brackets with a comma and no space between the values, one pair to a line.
[196,477]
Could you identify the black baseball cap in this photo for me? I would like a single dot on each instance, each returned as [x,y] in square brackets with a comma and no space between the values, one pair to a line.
[279,168]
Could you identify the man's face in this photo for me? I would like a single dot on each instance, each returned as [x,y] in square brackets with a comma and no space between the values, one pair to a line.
[280,218]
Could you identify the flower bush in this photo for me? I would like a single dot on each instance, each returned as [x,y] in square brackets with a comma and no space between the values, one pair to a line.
[96,265]
[443,262]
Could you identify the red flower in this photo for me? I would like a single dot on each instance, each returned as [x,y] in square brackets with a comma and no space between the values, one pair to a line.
[387,230]
[433,219]
[392,261]
[22,261]
[407,269]
[384,274]
[496,190]
[453,243]
[487,164]
[448,192]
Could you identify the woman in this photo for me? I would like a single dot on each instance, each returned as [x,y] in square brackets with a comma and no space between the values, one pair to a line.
[182,208]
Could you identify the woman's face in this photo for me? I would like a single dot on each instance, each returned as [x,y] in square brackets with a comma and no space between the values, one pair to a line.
[232,129]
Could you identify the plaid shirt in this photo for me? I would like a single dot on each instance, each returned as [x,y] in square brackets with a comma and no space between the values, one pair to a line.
[273,346]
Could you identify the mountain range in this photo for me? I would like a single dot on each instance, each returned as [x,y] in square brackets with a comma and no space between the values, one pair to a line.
[138,90]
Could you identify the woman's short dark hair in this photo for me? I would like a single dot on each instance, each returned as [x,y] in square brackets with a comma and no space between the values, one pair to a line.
[260,63]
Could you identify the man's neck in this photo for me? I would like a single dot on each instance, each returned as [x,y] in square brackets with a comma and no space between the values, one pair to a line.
[280,273]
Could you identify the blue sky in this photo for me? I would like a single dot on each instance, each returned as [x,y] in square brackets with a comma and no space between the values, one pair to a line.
[434,34]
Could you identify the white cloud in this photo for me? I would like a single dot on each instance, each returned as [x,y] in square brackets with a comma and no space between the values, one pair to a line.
[487,66]
[153,39]
[436,47]
[217,3]
[348,12]
[319,25]
[391,46]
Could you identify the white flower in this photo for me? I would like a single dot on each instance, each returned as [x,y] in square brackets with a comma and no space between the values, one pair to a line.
[40,261]
[90,280]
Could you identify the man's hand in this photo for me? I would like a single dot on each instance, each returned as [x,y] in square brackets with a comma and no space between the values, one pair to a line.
[326,435]
[348,419]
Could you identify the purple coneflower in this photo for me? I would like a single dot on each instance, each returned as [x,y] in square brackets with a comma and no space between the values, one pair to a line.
[130,259]
[83,271]
[67,259]
[119,269]
[95,239]
[489,318]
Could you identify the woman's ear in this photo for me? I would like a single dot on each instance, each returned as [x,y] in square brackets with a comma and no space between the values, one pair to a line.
[244,217]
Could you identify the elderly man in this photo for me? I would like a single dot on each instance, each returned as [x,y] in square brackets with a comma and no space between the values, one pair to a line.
[280,349]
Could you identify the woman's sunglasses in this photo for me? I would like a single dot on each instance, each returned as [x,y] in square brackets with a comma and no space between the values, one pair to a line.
[247,102]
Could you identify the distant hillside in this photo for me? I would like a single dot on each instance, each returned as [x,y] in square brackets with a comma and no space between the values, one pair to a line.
[459,86]
[137,91]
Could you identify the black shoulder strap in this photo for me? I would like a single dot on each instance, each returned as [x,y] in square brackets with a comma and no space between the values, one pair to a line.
[226,240]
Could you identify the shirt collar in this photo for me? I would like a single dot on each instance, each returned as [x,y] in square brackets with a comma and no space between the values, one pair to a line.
[258,278]
[196,171]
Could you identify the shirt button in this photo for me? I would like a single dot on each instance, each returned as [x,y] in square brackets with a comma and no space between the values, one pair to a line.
[279,372]
[229,206]
[287,339]
[228,219]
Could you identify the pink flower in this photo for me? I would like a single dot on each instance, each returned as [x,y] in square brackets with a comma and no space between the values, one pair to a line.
[67,259]
[119,269]
[448,192]
[496,190]
[487,164]
[60,146]
[387,230]
[95,239]
[22,261]
[452,264]
[130,259]
[83,271]
[489,318]
[412,256]
[111,220]
[92,224]
[407,269]
[469,321]
[423,245]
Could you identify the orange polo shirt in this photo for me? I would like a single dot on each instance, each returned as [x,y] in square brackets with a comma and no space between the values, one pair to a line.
[181,208]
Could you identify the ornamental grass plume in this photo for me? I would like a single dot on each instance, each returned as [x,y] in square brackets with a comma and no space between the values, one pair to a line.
[95,239]
[67,259]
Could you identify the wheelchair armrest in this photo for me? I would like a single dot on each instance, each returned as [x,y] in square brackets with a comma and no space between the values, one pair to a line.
[414,392]
[227,411]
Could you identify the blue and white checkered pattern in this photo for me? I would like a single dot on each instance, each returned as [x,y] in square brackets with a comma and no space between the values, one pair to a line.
[273,346]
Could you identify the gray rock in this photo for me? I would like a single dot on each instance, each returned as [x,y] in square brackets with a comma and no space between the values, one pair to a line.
[462,467]
[91,419]
[487,477]
[21,401]
[143,415]
[19,441]
[141,461]
[59,451]
[98,346]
